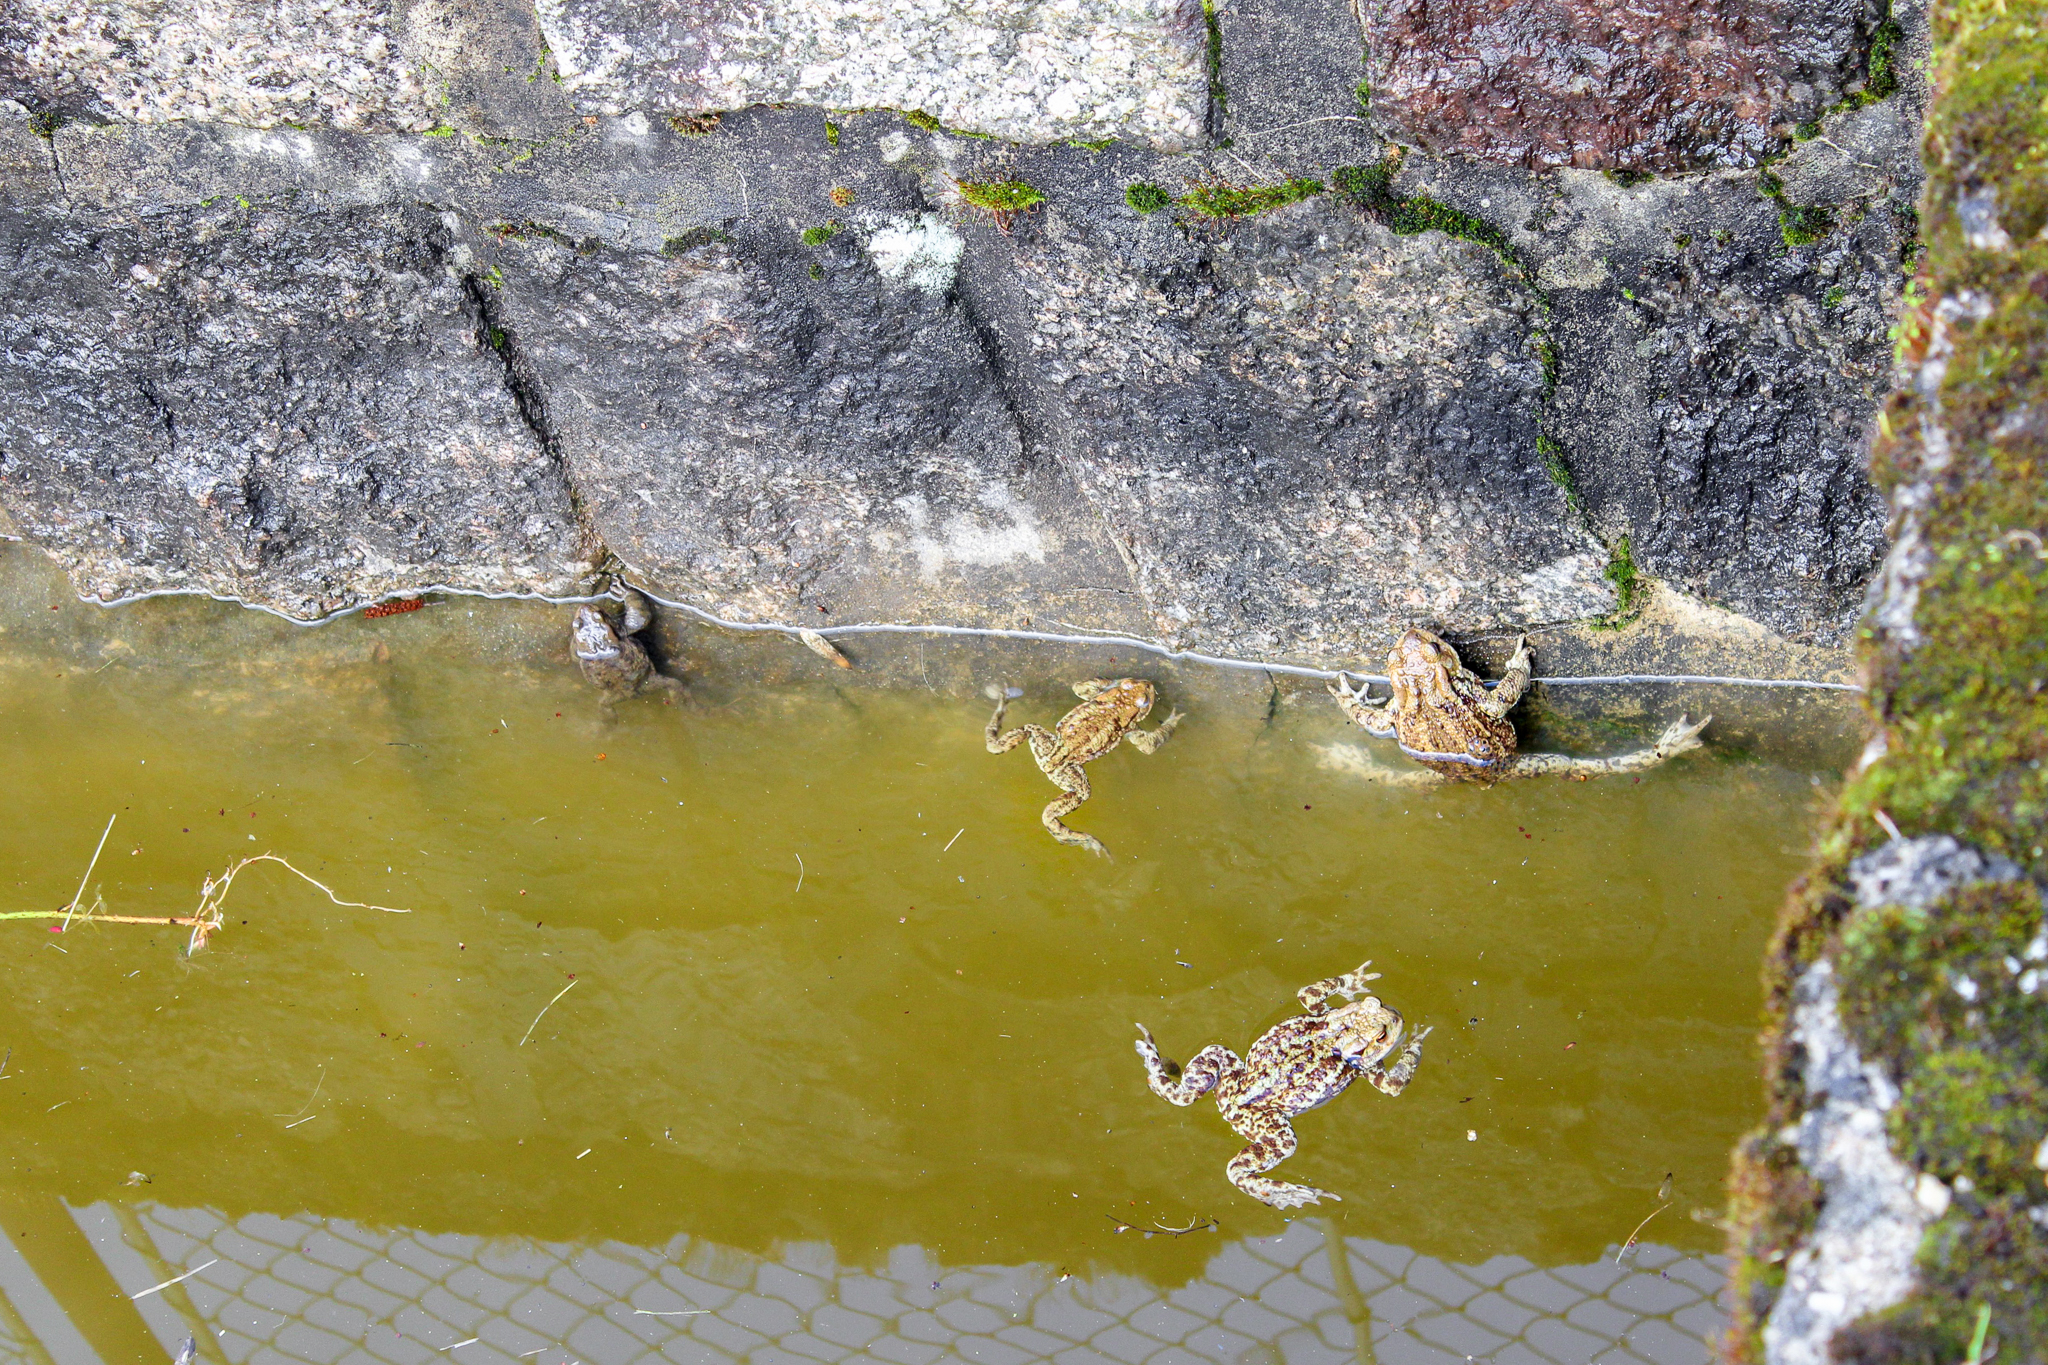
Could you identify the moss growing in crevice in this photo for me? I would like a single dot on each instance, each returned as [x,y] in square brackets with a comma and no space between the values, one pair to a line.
[1221,200]
[1218,98]
[1371,188]
[1145,197]
[1001,199]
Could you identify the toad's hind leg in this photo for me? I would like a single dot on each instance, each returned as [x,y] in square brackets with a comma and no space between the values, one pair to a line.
[1000,742]
[1272,1142]
[1205,1070]
[1682,736]
[1350,985]
[1074,783]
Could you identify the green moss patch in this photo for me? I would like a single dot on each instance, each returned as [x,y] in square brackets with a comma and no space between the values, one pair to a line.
[1371,188]
[1244,201]
[1145,197]
[818,236]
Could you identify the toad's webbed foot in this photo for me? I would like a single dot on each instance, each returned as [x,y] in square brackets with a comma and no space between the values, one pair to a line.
[1368,712]
[1350,985]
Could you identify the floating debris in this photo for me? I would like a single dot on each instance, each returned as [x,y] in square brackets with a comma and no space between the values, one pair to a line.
[204,922]
[398,608]
[823,648]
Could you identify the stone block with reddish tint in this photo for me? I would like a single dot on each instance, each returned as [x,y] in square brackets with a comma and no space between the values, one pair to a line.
[1662,85]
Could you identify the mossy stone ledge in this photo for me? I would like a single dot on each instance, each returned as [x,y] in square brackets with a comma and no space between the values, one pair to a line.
[1892,1208]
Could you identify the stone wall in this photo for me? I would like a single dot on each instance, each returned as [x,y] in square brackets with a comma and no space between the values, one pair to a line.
[309,308]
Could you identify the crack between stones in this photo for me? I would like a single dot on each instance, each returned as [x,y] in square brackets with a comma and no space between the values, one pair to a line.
[523,384]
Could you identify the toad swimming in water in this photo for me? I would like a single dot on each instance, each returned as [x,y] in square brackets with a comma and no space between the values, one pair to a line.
[1443,717]
[1297,1065]
[1107,716]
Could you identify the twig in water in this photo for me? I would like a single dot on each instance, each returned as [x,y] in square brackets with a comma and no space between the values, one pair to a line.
[211,914]
[1663,1193]
[308,1119]
[1159,1229]
[175,1280]
[671,1313]
[544,1009]
[799,872]
[471,1342]
[954,840]
[5,1060]
[309,1103]
[88,870]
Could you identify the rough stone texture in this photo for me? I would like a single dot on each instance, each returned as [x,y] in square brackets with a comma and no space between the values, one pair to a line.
[1666,86]
[257,62]
[1308,426]
[1023,69]
[1720,414]
[296,409]
[1282,436]
[777,447]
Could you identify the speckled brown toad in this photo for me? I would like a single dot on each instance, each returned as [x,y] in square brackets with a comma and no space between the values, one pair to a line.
[1107,716]
[609,655]
[1443,717]
[1298,1065]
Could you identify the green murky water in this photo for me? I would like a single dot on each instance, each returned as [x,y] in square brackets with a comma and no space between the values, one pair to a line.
[831,981]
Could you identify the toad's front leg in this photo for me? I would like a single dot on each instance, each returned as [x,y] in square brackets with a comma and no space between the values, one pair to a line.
[1350,985]
[1682,736]
[998,741]
[1367,712]
[1069,778]
[1148,743]
[1512,683]
[1392,1080]
[1272,1142]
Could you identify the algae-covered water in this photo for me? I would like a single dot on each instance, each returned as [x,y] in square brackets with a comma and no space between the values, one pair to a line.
[818,978]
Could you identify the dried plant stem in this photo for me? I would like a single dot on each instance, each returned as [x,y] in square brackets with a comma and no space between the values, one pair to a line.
[88,869]
[543,1010]
[207,919]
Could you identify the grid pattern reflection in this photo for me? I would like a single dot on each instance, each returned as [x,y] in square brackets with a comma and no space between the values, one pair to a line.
[322,1291]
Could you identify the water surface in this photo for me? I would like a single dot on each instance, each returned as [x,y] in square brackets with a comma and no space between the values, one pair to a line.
[832,984]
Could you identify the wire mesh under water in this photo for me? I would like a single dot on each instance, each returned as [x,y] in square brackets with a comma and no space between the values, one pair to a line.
[263,1290]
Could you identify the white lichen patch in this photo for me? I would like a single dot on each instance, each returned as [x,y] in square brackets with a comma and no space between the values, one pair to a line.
[1566,589]
[254,62]
[921,250]
[1859,1258]
[1008,533]
[1875,1208]
[1028,70]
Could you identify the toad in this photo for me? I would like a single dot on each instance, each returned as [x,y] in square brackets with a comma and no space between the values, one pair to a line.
[1298,1065]
[609,655]
[1443,717]
[1107,716]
